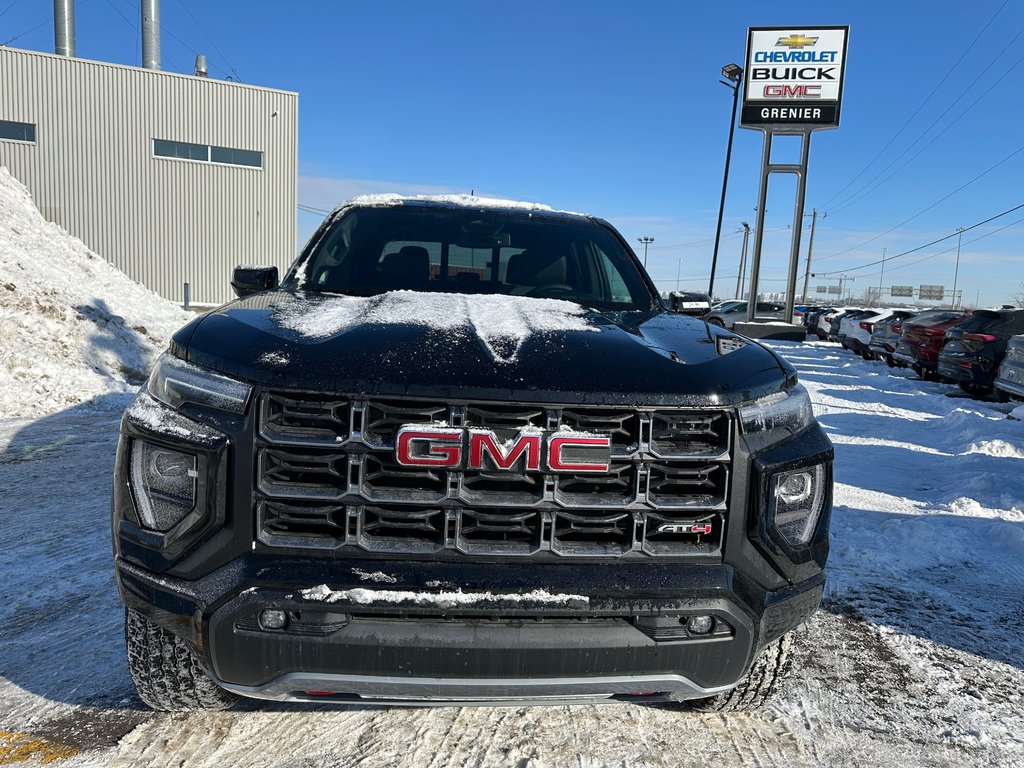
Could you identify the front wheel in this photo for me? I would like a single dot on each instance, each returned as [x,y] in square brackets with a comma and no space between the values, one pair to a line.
[165,669]
[716,321]
[765,679]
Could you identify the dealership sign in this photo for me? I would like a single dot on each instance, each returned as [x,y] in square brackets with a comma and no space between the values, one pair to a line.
[794,77]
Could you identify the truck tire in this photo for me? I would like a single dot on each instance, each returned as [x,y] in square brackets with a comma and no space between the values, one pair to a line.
[165,670]
[766,676]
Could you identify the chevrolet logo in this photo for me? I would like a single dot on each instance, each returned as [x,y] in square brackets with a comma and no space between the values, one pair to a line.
[796,41]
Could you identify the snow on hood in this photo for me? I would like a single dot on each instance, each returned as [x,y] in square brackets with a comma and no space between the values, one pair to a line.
[73,326]
[502,323]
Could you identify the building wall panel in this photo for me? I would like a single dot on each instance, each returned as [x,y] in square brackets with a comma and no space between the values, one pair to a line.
[162,221]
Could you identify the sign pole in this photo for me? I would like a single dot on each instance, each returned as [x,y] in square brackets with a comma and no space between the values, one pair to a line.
[798,224]
[762,199]
[793,86]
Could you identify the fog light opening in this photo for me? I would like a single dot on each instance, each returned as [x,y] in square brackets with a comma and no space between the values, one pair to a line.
[273,619]
[700,625]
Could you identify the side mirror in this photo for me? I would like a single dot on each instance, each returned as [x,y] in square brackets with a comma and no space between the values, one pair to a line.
[248,280]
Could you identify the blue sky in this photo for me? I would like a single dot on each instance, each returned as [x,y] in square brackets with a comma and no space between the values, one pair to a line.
[616,109]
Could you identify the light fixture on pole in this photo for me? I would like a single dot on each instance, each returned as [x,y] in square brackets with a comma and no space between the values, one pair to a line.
[734,74]
[646,241]
[956,274]
[743,261]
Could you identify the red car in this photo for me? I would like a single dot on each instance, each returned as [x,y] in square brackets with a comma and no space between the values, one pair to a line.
[922,339]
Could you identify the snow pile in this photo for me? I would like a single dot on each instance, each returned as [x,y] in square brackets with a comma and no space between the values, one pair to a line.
[502,323]
[72,327]
[361,596]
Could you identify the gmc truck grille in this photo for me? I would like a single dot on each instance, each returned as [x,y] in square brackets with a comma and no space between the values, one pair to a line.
[327,479]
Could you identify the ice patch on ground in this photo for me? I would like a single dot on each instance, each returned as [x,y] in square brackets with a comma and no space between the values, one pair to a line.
[74,327]
[502,323]
[361,596]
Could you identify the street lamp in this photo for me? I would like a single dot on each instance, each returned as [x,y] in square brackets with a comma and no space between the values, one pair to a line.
[734,74]
[646,241]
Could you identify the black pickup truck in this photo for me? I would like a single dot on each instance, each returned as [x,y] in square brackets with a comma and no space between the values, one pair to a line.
[463,454]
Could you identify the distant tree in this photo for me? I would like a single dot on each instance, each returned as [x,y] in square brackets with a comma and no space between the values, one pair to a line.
[1018,297]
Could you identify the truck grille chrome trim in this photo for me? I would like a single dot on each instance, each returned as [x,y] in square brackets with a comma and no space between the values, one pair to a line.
[327,479]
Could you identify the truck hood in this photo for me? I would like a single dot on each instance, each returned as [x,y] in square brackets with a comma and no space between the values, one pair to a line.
[487,347]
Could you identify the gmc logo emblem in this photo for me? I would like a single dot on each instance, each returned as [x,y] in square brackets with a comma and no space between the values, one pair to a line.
[455,448]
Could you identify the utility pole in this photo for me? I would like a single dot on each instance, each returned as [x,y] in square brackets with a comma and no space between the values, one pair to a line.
[881,276]
[743,261]
[956,274]
[646,241]
[810,250]
[679,266]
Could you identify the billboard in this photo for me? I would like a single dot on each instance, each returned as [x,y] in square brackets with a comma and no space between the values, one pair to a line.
[821,289]
[902,290]
[794,77]
[932,292]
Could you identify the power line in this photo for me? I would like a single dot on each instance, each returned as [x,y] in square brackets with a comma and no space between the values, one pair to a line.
[950,250]
[868,188]
[920,106]
[214,44]
[925,210]
[922,247]
[32,29]
[9,6]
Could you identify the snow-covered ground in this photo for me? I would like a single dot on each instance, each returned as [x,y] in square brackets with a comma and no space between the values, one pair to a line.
[916,658]
[72,326]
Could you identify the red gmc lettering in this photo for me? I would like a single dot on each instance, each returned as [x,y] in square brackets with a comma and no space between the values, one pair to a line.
[480,442]
[443,448]
[556,443]
[793,91]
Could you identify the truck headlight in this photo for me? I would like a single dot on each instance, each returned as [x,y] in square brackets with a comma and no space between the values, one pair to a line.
[796,500]
[789,410]
[164,481]
[175,382]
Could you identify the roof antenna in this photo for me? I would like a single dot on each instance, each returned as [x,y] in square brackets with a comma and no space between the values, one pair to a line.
[472,193]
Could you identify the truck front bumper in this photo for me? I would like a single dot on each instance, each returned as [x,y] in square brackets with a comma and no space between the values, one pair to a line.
[624,637]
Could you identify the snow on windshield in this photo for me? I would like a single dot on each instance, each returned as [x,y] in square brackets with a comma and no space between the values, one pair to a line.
[502,323]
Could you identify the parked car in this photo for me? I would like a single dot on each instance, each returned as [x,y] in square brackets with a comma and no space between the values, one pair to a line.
[1011,373]
[886,334]
[728,316]
[812,315]
[974,349]
[691,303]
[923,337]
[856,332]
[836,329]
[824,324]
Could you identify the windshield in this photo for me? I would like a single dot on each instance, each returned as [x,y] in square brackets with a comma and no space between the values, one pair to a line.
[419,248]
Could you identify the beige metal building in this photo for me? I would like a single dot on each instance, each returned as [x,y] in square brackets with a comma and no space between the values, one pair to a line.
[172,178]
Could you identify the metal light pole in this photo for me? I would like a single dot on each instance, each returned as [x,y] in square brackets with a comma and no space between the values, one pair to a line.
[734,74]
[743,261]
[679,265]
[646,241]
[956,274]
